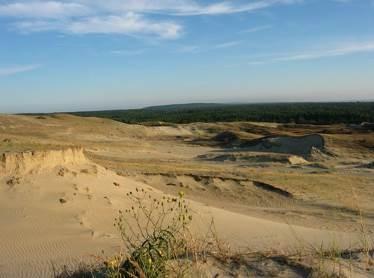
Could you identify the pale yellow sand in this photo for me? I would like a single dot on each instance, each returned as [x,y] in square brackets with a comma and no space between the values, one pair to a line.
[38,231]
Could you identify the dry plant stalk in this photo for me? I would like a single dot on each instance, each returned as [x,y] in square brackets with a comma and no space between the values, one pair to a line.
[154,232]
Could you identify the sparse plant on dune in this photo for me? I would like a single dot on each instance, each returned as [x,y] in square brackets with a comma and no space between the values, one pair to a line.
[154,231]
[366,241]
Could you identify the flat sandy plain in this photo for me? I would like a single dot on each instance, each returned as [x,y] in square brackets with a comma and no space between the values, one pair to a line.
[63,179]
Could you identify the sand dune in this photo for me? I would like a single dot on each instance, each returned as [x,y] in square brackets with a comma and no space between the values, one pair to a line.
[58,202]
[301,146]
[49,218]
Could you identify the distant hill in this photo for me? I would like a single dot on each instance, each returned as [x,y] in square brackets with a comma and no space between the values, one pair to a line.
[306,113]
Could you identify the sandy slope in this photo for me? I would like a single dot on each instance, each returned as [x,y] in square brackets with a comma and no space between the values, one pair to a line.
[37,230]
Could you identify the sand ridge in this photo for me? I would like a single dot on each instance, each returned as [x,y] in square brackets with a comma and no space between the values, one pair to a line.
[35,161]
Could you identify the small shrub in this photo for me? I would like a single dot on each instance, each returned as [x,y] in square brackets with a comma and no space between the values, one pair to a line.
[154,232]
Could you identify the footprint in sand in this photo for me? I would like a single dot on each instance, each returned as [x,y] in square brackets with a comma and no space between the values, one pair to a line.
[82,220]
[108,200]
[13,181]
[75,187]
[84,223]
[96,234]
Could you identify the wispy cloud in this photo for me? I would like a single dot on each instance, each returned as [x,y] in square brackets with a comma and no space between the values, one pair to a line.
[257,29]
[43,9]
[189,49]
[348,49]
[184,7]
[126,17]
[128,24]
[12,70]
[194,49]
[227,44]
[127,52]
[231,7]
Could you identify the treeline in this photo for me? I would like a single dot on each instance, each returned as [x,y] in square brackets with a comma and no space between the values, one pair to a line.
[305,113]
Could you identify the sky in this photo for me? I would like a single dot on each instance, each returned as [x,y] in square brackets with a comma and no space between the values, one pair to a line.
[73,55]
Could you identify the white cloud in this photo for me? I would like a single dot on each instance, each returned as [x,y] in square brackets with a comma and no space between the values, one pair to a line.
[43,9]
[231,7]
[11,70]
[256,29]
[64,8]
[126,17]
[348,49]
[194,49]
[184,7]
[29,26]
[128,24]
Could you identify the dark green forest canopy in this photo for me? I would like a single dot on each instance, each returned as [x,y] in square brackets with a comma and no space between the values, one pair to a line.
[313,113]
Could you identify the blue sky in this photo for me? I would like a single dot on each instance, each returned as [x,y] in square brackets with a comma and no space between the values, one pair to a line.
[66,55]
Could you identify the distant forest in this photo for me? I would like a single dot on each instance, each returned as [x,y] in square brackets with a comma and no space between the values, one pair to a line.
[305,113]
